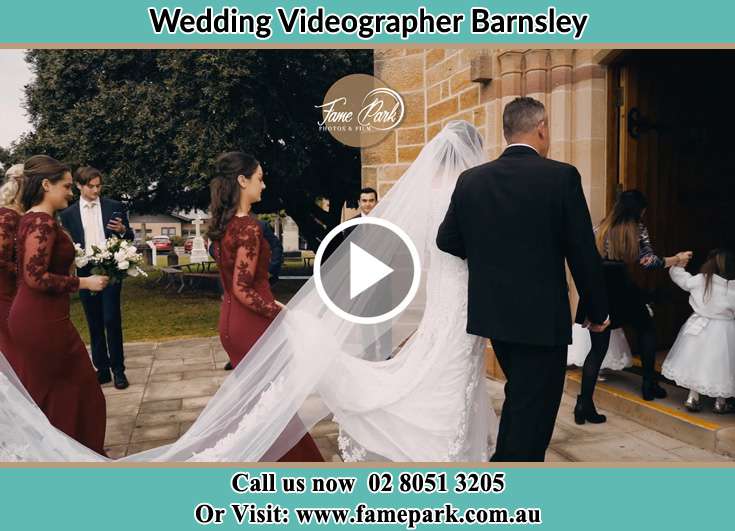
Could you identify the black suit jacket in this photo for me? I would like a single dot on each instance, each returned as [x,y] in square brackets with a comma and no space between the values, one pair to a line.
[71,219]
[516,220]
[339,239]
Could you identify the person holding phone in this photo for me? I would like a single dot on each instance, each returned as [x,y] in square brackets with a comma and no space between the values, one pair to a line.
[90,221]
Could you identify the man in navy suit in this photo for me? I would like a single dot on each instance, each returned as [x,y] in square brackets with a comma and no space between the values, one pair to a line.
[90,221]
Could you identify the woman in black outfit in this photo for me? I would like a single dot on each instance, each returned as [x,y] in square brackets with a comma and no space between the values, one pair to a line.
[622,239]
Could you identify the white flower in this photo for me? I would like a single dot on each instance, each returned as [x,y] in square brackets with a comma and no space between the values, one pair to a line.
[81,261]
[104,255]
[121,256]
[123,265]
[131,251]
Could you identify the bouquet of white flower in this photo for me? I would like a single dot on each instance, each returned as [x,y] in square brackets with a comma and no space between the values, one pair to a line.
[117,259]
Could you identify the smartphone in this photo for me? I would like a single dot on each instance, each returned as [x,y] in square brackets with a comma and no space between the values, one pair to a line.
[116,215]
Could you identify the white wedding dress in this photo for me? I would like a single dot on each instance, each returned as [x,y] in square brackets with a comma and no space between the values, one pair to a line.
[428,402]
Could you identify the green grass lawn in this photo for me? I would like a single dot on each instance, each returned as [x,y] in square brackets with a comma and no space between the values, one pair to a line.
[151,312]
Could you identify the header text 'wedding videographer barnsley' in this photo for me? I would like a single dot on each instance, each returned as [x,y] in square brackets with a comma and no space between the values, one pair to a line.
[300,21]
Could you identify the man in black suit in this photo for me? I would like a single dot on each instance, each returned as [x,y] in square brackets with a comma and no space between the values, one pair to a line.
[365,203]
[90,221]
[516,220]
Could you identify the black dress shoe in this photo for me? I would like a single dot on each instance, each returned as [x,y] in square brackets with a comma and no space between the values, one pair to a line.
[104,376]
[121,381]
[651,390]
[228,366]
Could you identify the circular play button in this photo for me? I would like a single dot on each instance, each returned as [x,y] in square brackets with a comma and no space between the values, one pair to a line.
[367,270]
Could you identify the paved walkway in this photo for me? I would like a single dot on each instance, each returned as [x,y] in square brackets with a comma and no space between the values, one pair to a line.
[172,381]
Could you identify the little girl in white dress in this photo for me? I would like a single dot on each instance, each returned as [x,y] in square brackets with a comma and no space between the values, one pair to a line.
[703,356]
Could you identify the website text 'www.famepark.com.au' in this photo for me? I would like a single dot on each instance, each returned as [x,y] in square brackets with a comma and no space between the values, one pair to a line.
[378,483]
[362,513]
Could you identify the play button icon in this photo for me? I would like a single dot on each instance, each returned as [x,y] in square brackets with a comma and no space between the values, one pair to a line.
[367,270]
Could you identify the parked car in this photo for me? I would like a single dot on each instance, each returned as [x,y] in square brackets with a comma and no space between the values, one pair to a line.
[162,243]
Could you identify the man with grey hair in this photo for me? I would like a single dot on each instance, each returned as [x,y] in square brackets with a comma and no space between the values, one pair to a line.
[516,220]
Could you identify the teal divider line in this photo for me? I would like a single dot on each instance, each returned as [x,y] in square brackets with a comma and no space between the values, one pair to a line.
[619,22]
[602,499]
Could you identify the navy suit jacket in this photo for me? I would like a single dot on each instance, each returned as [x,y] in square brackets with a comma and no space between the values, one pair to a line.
[71,219]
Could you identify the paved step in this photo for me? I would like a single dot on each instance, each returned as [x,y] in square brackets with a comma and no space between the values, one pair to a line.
[621,393]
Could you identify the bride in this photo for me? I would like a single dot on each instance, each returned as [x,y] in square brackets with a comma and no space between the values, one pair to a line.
[427,403]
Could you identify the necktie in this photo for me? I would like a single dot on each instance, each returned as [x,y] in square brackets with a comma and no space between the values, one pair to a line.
[91,232]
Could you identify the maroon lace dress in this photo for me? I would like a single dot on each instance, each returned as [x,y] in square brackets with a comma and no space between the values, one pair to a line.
[9,219]
[56,369]
[248,305]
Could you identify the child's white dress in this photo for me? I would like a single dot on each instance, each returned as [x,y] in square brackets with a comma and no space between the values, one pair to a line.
[703,356]
[618,351]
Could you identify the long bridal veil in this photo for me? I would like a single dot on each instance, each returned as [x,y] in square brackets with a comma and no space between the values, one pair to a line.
[310,363]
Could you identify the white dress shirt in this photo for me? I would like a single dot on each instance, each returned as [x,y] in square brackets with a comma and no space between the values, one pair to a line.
[524,145]
[94,231]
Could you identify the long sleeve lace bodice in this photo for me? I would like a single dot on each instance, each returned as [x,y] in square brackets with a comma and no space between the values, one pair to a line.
[244,257]
[45,255]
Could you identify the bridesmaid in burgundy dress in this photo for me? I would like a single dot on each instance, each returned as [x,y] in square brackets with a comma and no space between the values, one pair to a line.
[243,256]
[10,209]
[56,368]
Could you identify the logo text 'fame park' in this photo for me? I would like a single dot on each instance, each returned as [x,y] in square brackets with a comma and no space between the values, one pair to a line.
[360,110]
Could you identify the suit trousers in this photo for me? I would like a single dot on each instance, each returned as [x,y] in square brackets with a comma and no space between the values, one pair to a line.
[104,319]
[535,382]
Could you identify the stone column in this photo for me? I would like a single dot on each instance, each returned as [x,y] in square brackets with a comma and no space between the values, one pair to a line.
[490,98]
[589,128]
[511,86]
[536,74]
[560,105]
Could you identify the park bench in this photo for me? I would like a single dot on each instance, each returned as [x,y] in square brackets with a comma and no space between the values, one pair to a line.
[170,275]
[197,274]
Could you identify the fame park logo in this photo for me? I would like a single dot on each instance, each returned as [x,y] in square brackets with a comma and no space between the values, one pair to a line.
[360,110]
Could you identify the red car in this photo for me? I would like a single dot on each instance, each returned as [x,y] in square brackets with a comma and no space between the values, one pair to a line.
[162,243]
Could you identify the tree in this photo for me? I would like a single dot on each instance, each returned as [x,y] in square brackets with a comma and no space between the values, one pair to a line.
[6,160]
[154,121]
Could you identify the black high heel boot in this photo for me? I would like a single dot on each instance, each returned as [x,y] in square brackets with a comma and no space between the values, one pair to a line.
[584,411]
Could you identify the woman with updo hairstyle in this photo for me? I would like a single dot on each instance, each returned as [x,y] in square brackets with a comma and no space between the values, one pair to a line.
[243,256]
[54,364]
[10,212]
